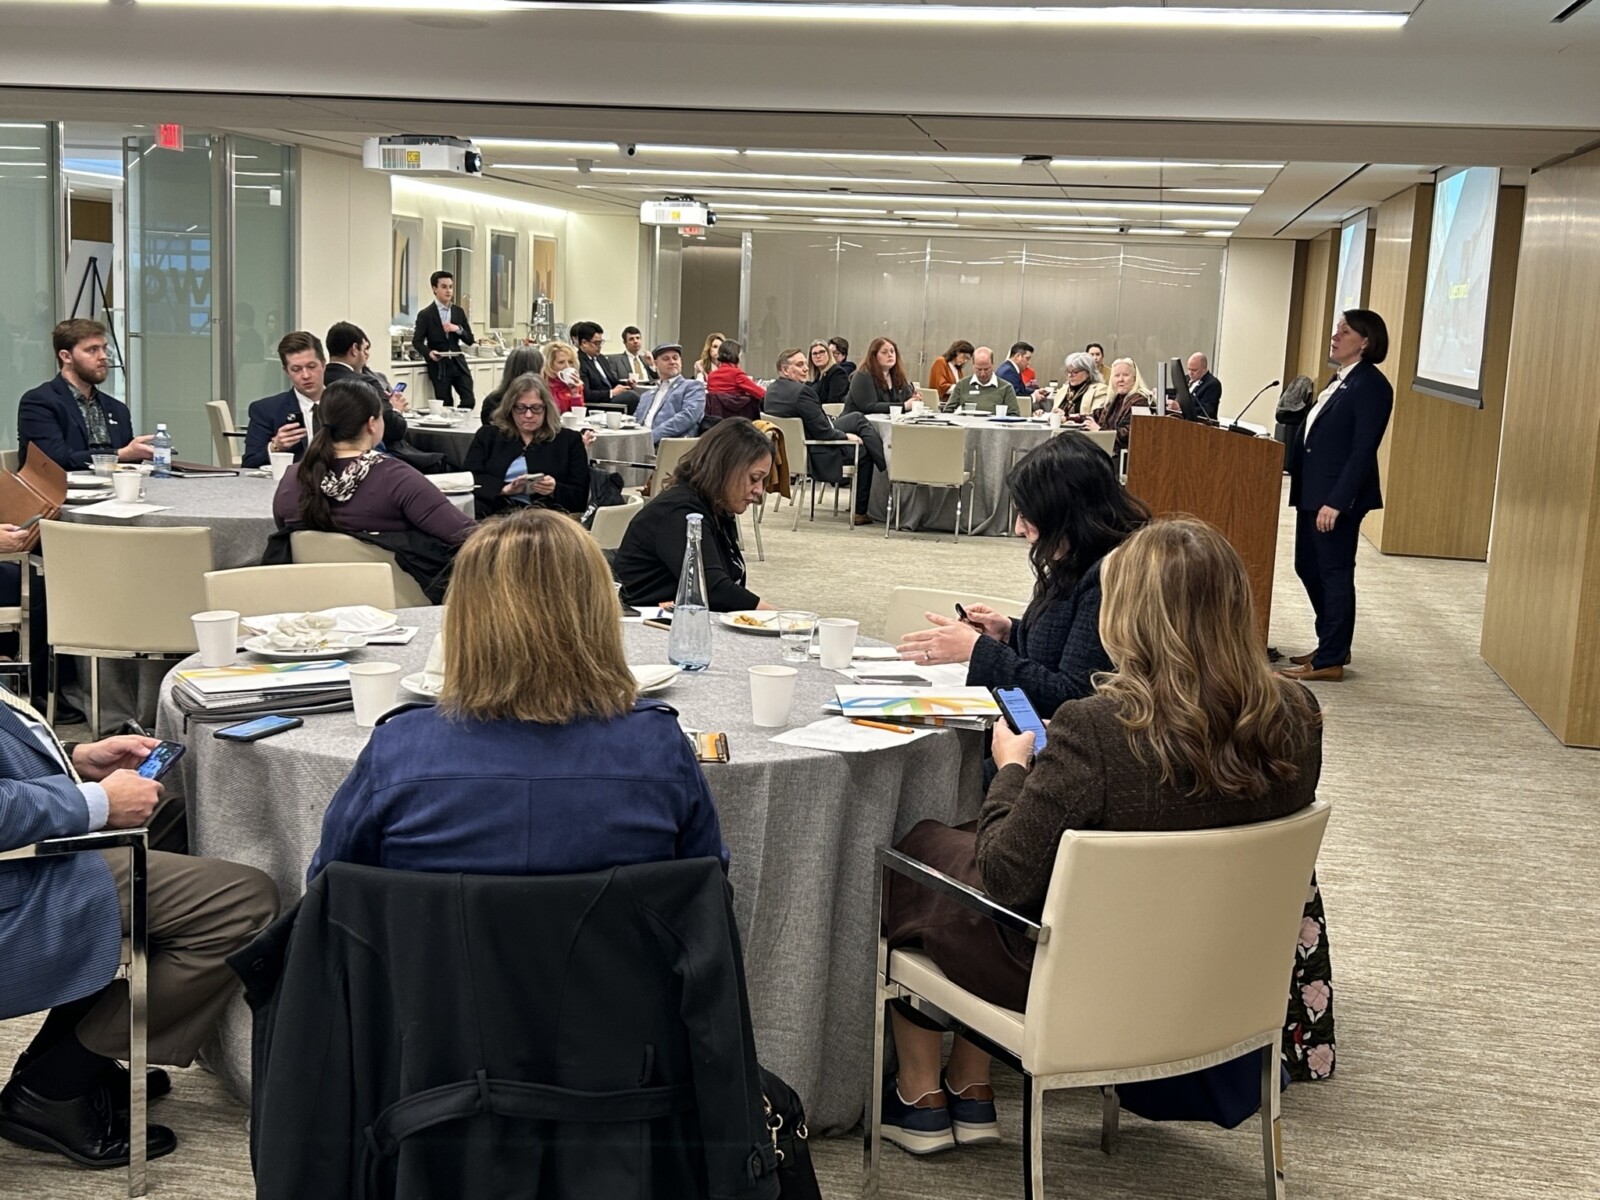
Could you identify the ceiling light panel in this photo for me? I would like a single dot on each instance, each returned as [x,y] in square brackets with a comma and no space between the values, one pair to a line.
[1141,206]
[1176,18]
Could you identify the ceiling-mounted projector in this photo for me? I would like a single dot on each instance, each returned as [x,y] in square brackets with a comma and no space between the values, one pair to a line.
[421,154]
[675,210]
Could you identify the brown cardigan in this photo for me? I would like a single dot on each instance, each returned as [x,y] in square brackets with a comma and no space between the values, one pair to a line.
[942,377]
[1088,778]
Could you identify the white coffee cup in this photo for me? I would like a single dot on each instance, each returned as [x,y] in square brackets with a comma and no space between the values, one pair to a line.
[837,637]
[374,689]
[613,420]
[579,412]
[917,407]
[125,485]
[1055,418]
[279,461]
[216,633]
[771,694]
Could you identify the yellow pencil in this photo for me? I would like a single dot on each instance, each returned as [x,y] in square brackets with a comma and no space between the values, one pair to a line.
[866,724]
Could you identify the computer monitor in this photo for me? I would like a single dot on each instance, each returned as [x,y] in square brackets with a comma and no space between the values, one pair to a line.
[1177,388]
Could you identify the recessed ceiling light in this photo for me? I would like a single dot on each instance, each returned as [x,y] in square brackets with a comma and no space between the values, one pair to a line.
[1143,206]
[738,206]
[1157,164]
[943,160]
[1346,20]
[1158,232]
[543,144]
[548,167]
[655,148]
[1217,233]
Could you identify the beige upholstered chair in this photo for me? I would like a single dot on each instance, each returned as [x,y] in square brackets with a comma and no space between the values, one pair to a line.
[9,460]
[834,411]
[1125,915]
[797,445]
[668,452]
[929,396]
[226,440]
[929,456]
[314,546]
[611,522]
[121,592]
[15,619]
[907,604]
[300,587]
[1106,439]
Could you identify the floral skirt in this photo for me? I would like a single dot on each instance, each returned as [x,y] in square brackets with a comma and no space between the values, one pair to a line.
[1308,1044]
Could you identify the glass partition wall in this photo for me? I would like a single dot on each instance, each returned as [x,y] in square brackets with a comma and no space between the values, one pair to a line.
[1145,301]
[31,260]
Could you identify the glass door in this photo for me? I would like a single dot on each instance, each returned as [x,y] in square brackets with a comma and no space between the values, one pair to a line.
[30,260]
[174,364]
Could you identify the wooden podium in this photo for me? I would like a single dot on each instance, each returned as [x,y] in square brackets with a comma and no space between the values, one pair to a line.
[1233,481]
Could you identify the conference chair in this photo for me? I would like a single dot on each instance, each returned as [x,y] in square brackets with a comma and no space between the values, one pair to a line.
[1125,915]
[611,522]
[315,546]
[224,434]
[908,604]
[16,619]
[121,592]
[9,460]
[668,452]
[1106,439]
[930,397]
[134,968]
[798,448]
[930,456]
[300,587]
[834,411]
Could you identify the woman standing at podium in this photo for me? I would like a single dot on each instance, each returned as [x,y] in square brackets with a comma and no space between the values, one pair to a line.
[1332,461]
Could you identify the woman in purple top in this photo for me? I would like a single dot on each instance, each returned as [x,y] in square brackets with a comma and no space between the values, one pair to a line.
[344,485]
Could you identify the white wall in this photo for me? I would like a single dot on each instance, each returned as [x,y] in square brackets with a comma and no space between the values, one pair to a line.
[1257,281]
[604,280]
[343,268]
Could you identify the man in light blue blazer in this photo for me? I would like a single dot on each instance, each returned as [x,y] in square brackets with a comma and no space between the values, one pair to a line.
[675,406]
[61,928]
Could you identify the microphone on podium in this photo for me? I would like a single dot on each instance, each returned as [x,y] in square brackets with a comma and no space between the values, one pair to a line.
[1234,424]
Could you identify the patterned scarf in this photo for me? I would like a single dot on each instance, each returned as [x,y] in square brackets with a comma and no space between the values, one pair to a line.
[340,486]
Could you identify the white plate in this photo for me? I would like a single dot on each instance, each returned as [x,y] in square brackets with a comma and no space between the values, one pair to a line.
[434,423]
[87,479]
[261,645]
[655,677]
[767,628]
[76,495]
[417,685]
[350,618]
[457,491]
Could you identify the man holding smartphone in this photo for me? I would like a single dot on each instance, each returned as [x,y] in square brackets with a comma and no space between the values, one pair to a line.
[287,421]
[61,932]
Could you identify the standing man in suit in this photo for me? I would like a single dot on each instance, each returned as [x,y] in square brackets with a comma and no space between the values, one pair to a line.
[640,367]
[1333,483]
[61,930]
[1205,387]
[791,395]
[442,328]
[287,421]
[69,418]
[599,389]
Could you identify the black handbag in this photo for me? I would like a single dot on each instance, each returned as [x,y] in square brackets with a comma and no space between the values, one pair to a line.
[786,1122]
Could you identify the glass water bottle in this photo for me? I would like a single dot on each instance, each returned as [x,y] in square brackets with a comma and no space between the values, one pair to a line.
[689,643]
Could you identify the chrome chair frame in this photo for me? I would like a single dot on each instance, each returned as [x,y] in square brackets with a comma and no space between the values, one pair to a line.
[22,669]
[135,969]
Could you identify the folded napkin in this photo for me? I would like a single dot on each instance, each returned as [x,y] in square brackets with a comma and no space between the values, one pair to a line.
[452,481]
[308,631]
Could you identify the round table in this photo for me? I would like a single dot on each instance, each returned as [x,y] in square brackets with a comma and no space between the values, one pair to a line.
[610,445]
[991,446]
[801,827]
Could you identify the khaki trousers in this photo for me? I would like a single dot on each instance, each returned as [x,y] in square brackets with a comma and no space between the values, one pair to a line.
[200,911]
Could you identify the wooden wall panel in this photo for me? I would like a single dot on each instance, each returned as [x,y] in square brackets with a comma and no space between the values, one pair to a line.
[1316,308]
[1541,627]
[1401,237]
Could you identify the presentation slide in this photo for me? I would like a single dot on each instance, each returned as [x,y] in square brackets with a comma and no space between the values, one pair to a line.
[1455,302]
[1352,264]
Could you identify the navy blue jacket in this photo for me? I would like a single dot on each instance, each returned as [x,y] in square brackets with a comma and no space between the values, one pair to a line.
[267,416]
[435,793]
[1008,371]
[49,417]
[1052,657]
[60,921]
[1337,465]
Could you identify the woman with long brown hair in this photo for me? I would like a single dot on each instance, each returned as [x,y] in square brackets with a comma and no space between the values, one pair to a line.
[540,758]
[1191,730]
[946,370]
[524,456]
[879,384]
[707,362]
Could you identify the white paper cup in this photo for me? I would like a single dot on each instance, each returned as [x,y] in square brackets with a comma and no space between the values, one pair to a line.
[580,413]
[279,461]
[216,633]
[837,637]
[125,485]
[771,695]
[374,688]
[1055,419]
[917,407]
[613,420]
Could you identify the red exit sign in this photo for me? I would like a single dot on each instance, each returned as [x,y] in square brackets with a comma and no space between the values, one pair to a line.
[169,137]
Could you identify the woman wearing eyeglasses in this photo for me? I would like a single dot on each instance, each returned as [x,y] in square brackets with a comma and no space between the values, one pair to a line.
[524,457]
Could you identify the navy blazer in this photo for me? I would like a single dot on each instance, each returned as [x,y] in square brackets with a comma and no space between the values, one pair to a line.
[1337,465]
[49,417]
[267,416]
[60,921]
[1053,657]
[1207,393]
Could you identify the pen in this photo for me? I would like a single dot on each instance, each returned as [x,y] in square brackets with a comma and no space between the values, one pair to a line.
[866,724]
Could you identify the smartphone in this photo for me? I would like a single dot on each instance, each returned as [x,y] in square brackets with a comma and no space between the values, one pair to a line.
[161,759]
[966,620]
[709,747]
[31,522]
[1020,715]
[294,418]
[664,621]
[261,727]
[398,388]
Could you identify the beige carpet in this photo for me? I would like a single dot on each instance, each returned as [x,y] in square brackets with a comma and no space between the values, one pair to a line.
[1460,882]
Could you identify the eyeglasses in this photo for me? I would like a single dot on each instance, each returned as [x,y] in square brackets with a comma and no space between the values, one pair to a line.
[527,408]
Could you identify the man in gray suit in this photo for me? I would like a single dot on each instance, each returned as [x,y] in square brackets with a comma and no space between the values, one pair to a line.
[791,395]
[62,921]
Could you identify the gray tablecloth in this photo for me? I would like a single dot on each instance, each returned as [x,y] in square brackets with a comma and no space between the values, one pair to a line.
[991,445]
[617,445]
[801,827]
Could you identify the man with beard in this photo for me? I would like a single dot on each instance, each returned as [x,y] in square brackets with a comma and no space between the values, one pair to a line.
[69,419]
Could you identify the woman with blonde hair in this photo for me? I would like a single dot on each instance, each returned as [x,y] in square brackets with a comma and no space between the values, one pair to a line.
[540,758]
[708,356]
[1128,392]
[524,456]
[1191,730]
[560,375]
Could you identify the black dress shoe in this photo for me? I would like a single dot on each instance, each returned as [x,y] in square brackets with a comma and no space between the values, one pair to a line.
[86,1130]
[157,1083]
